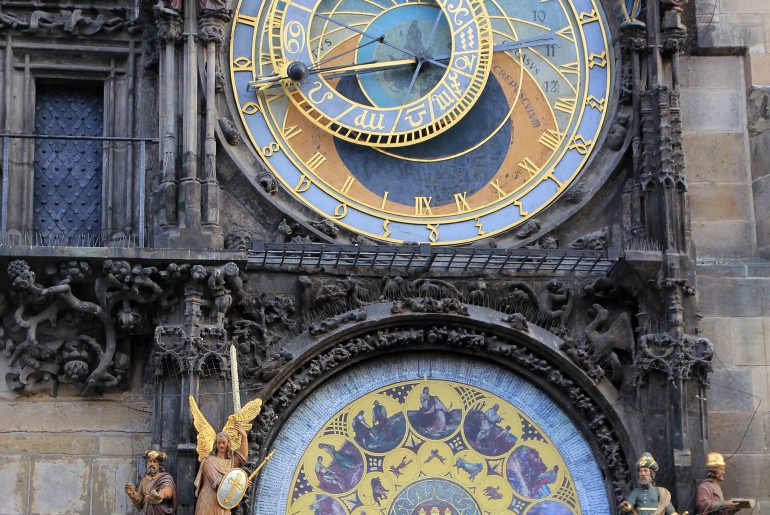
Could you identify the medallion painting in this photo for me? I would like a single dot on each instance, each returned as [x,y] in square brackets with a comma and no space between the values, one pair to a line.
[458,437]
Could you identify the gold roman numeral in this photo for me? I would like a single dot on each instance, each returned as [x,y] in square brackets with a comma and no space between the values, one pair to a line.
[566,105]
[247,20]
[588,17]
[349,181]
[314,162]
[567,33]
[291,131]
[422,206]
[550,139]
[462,202]
[496,185]
[528,166]
[568,68]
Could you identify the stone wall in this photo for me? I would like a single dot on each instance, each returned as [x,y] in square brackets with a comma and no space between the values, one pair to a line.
[725,89]
[68,454]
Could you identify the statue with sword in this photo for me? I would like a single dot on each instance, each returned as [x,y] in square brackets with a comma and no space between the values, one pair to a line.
[221,484]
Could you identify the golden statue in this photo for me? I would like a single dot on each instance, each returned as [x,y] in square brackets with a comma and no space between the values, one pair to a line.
[219,453]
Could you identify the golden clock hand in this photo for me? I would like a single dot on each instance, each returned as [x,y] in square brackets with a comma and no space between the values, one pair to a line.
[298,71]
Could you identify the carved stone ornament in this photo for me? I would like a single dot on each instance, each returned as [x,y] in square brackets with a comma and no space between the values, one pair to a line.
[329,324]
[677,357]
[326,227]
[211,25]
[75,22]
[480,344]
[169,25]
[430,305]
[268,182]
[596,240]
[231,134]
[528,229]
[239,239]
[54,335]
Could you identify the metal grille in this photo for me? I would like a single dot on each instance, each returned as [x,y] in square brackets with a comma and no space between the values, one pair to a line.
[68,173]
[283,256]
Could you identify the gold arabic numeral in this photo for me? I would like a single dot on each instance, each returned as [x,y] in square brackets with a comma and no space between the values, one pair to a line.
[570,68]
[303,184]
[599,60]
[250,108]
[496,185]
[550,139]
[422,206]
[443,99]
[340,211]
[247,20]
[566,105]
[433,235]
[479,226]
[518,204]
[527,165]
[349,181]
[385,224]
[369,121]
[596,103]
[461,200]
[271,149]
[384,200]
[314,162]
[588,17]
[243,64]
[580,144]
[291,131]
[566,33]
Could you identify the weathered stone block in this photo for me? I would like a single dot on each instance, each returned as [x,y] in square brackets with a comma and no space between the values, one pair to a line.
[744,6]
[714,72]
[759,69]
[729,238]
[731,390]
[726,431]
[719,331]
[725,112]
[124,445]
[715,157]
[14,483]
[762,197]
[109,477]
[749,341]
[47,443]
[60,486]
[735,34]
[37,416]
[717,202]
[732,297]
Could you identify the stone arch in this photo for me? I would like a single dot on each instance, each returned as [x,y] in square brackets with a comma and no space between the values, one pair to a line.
[335,345]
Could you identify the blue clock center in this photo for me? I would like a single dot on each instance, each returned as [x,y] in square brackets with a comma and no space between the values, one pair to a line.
[418,28]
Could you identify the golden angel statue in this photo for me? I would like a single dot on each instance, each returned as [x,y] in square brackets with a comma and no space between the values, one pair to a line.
[219,453]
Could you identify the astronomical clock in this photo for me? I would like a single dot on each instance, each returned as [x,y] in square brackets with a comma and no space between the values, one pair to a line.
[437,121]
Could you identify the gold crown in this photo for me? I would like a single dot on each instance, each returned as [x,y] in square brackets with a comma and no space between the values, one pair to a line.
[714,460]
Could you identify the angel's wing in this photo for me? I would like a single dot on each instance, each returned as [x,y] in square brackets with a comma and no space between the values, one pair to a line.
[206,434]
[248,413]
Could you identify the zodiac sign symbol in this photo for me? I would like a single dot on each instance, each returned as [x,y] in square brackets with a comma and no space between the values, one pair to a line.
[373,123]
[457,11]
[454,83]
[468,39]
[415,115]
[327,95]
[465,62]
[294,37]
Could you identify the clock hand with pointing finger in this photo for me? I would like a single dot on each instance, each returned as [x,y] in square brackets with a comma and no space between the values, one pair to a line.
[298,71]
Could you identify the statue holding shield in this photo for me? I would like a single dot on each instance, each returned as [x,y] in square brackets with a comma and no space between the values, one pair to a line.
[219,454]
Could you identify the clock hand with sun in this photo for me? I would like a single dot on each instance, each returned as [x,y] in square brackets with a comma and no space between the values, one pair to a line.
[298,71]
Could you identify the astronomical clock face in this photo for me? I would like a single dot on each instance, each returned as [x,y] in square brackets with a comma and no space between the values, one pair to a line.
[438,121]
[470,440]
